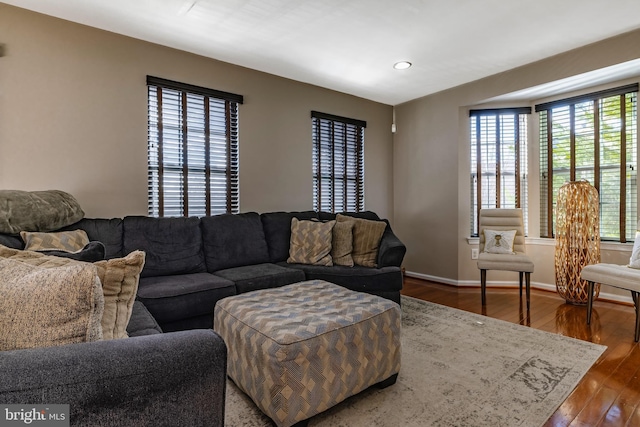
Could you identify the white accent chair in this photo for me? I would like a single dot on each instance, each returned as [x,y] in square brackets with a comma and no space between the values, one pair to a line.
[504,219]
[618,276]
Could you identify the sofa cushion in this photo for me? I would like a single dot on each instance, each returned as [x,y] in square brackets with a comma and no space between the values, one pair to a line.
[172,298]
[11,241]
[277,231]
[327,216]
[142,322]
[42,307]
[172,245]
[107,231]
[37,210]
[233,240]
[311,242]
[357,278]
[261,276]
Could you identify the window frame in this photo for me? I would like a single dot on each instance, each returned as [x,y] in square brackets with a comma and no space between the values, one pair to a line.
[204,139]
[546,139]
[518,115]
[342,140]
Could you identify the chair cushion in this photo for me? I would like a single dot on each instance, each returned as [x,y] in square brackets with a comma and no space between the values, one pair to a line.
[172,245]
[507,262]
[261,276]
[233,240]
[619,276]
[169,298]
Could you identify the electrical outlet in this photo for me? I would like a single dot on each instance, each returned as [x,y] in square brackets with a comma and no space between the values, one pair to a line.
[474,253]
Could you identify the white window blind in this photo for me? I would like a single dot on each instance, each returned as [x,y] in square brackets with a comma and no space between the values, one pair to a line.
[338,163]
[592,137]
[498,161]
[193,160]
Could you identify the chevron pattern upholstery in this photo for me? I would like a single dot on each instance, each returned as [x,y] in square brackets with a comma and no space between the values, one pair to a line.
[300,349]
[68,241]
[310,242]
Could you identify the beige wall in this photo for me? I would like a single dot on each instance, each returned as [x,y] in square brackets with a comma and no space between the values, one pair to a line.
[431,168]
[73,117]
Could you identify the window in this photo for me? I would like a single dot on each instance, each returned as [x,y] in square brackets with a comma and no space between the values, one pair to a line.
[192,150]
[592,137]
[498,161]
[338,163]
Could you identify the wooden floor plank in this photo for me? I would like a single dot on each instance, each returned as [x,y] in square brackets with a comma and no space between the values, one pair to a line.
[609,394]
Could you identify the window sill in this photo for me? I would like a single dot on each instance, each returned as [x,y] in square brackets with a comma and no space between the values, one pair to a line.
[539,241]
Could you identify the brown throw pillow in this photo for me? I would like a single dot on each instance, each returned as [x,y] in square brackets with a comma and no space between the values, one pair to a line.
[42,307]
[67,241]
[342,244]
[366,239]
[310,242]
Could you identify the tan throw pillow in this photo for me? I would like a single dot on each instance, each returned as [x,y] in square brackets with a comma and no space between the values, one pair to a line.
[366,239]
[68,241]
[342,244]
[42,307]
[119,277]
[310,242]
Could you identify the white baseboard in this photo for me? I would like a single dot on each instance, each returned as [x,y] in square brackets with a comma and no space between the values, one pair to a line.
[504,284]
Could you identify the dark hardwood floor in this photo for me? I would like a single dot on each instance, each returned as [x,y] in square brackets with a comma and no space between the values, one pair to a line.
[609,394]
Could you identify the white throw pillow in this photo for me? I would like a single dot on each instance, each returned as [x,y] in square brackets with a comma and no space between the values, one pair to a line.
[634,262]
[499,241]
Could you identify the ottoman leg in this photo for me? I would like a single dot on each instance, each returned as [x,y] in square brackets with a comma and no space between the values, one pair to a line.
[389,381]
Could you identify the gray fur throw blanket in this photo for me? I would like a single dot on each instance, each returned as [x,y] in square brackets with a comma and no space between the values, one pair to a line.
[37,210]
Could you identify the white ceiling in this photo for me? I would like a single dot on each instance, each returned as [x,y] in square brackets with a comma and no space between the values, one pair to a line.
[351,45]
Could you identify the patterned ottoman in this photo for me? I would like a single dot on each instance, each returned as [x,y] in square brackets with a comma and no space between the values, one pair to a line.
[302,348]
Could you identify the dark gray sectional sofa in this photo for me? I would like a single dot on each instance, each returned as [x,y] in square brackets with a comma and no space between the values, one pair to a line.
[191,263]
[150,379]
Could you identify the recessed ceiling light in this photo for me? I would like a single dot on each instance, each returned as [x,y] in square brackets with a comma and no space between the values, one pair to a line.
[402,65]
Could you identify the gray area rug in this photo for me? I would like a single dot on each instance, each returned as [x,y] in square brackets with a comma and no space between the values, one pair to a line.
[458,369]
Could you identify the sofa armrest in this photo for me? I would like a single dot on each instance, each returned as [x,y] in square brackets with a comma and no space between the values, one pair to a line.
[391,251]
[173,379]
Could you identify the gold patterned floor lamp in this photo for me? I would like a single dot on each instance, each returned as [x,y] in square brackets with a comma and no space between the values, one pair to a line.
[577,239]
